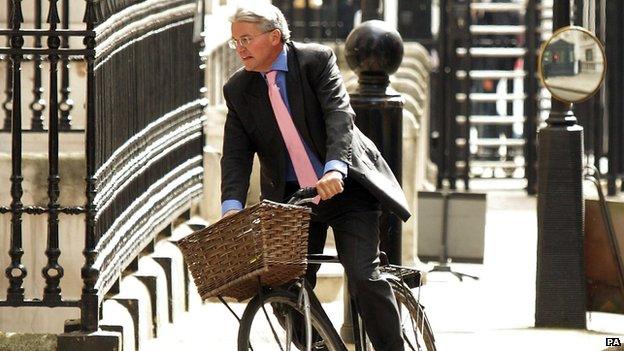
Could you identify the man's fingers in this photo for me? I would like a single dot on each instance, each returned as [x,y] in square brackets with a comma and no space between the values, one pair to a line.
[336,187]
[327,188]
[321,192]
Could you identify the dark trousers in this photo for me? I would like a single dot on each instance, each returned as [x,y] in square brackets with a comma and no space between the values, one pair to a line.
[354,218]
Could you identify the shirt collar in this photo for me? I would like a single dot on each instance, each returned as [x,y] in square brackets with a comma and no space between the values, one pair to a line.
[281,62]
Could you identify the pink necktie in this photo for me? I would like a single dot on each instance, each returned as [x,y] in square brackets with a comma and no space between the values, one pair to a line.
[298,156]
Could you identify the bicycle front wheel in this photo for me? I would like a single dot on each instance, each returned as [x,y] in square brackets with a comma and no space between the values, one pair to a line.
[267,325]
[415,326]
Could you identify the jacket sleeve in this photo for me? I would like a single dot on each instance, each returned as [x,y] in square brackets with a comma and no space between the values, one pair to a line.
[237,156]
[334,101]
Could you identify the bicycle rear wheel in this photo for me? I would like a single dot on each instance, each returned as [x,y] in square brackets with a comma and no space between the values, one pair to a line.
[416,329]
[269,332]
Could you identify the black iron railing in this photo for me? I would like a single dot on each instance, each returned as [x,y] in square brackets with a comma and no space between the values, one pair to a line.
[37,54]
[531,103]
[18,53]
[328,21]
[143,132]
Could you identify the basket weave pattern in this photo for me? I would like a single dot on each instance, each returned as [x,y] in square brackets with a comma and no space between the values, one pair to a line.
[269,240]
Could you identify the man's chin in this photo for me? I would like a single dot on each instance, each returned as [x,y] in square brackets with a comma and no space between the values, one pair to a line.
[249,66]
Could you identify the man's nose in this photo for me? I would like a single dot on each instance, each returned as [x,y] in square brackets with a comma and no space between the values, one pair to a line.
[241,50]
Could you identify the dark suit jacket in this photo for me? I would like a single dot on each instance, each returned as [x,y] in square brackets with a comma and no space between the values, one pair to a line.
[324,118]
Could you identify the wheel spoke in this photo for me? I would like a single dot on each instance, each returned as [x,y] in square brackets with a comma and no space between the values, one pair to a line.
[415,328]
[272,328]
[289,330]
[410,328]
[408,342]
[284,314]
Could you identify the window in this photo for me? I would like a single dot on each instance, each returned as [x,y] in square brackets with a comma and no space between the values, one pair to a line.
[589,55]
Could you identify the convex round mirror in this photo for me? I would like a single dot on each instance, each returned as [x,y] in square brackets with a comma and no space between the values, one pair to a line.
[572,64]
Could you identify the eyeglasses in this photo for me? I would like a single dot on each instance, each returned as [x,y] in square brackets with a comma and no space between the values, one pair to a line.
[244,40]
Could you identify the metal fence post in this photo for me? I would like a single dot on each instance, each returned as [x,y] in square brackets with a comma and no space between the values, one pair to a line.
[67,104]
[439,91]
[8,90]
[90,305]
[16,272]
[53,272]
[38,104]
[615,83]
[531,101]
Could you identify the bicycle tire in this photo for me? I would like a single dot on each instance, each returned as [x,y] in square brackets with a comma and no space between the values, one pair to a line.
[319,320]
[420,326]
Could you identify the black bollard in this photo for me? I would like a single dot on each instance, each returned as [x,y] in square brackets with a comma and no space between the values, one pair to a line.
[560,278]
[374,50]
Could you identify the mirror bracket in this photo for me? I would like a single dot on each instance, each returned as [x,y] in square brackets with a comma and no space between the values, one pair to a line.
[563,117]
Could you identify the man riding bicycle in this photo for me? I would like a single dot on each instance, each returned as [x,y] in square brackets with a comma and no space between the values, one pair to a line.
[289,106]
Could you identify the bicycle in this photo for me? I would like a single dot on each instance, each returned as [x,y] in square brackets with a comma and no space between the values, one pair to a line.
[280,306]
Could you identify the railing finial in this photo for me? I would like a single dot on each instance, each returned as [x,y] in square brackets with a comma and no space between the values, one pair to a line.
[16,16]
[90,16]
[67,104]
[53,14]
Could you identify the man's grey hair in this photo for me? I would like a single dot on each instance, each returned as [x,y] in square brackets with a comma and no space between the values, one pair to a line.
[266,16]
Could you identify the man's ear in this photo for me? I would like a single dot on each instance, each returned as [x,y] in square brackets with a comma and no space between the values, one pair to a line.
[276,36]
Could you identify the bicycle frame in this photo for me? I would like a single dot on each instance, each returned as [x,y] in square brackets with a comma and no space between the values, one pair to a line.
[308,304]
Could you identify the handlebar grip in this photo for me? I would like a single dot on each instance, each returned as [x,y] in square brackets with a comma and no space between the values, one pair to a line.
[303,193]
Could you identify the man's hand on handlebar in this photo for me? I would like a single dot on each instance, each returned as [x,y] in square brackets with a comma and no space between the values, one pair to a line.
[326,188]
[329,185]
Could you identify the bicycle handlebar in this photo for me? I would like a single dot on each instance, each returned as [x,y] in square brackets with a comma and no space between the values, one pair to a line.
[302,195]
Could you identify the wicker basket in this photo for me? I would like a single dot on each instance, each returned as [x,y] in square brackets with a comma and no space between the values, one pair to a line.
[269,240]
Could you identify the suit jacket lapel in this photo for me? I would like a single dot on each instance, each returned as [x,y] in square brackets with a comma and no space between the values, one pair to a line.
[257,96]
[295,95]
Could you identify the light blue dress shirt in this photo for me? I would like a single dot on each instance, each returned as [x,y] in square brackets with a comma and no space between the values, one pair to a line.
[281,66]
